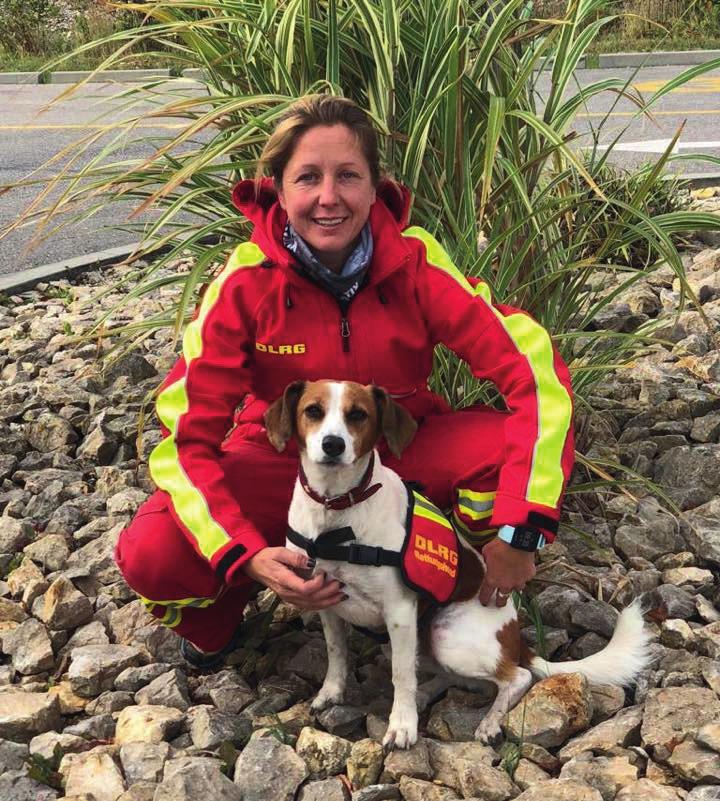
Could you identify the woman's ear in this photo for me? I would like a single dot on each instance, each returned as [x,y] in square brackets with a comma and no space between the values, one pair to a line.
[280,415]
[396,423]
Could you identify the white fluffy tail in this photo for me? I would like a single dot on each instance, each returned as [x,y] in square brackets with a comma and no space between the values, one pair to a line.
[618,663]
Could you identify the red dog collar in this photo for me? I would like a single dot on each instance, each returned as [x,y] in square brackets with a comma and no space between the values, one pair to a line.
[346,500]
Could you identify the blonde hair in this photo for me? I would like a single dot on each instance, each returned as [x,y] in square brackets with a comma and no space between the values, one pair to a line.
[309,112]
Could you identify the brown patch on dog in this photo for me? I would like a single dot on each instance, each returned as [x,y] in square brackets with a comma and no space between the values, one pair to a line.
[471,573]
[366,430]
[514,651]
[396,423]
[280,416]
[317,396]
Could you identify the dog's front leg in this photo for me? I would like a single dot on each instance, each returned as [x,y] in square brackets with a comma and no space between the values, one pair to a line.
[401,620]
[333,687]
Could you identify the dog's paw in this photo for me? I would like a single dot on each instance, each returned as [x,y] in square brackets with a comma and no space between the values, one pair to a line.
[325,698]
[401,732]
[489,731]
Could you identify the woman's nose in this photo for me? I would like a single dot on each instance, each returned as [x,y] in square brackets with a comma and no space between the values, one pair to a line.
[328,192]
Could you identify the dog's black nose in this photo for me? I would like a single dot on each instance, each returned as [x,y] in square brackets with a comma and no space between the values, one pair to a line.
[333,446]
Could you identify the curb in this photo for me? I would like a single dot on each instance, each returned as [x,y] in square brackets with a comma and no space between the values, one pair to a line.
[26,279]
[666,58]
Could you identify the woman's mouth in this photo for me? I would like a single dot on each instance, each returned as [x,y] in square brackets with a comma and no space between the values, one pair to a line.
[329,222]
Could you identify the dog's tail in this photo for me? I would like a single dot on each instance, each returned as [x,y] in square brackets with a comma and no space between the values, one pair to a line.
[618,663]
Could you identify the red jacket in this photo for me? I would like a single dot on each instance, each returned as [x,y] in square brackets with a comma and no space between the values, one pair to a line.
[261,326]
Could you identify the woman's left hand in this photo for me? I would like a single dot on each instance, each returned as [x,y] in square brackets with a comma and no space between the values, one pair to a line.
[506,569]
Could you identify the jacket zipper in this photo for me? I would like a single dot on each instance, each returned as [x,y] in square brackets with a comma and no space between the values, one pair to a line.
[344,327]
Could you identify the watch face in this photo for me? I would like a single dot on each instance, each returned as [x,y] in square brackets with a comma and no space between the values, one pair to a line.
[526,538]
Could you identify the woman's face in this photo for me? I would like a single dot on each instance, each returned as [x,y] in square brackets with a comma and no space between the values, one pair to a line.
[327,192]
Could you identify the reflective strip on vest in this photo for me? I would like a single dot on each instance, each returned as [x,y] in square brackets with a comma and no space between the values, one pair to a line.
[165,468]
[554,406]
[475,505]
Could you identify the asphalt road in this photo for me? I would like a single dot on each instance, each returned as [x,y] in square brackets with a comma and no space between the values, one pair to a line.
[29,138]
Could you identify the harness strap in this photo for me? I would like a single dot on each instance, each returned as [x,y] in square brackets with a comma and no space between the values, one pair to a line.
[327,546]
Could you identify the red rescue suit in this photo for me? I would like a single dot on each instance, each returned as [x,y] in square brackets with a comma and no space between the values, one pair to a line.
[261,325]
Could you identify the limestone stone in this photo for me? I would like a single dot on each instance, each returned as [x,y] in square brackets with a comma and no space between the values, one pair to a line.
[16,785]
[15,534]
[70,702]
[447,759]
[709,736]
[414,762]
[482,781]
[419,790]
[95,774]
[64,607]
[148,724]
[50,552]
[456,717]
[365,763]
[552,711]
[620,731]
[324,754]
[143,762]
[527,774]
[647,790]
[560,790]
[94,668]
[209,727]
[198,781]
[377,792]
[267,768]
[606,774]
[44,744]
[673,713]
[25,714]
[30,648]
[695,763]
[325,790]
[168,689]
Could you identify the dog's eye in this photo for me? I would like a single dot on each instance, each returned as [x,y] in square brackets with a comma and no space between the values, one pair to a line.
[357,415]
[314,411]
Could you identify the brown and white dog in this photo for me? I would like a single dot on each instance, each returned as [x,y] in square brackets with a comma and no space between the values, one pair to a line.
[337,425]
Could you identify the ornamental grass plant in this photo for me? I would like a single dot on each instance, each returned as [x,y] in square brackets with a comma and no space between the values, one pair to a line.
[499,175]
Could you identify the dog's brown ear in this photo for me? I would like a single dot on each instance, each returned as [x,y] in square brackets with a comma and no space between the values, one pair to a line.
[396,423]
[280,415]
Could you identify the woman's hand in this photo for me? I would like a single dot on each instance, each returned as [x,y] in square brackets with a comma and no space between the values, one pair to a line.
[274,567]
[506,569]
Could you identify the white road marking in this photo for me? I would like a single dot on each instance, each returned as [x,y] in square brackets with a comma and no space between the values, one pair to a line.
[660,146]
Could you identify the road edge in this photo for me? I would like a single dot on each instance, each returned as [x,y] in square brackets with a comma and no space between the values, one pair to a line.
[69,268]
[663,58]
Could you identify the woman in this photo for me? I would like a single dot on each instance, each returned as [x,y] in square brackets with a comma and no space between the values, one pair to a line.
[334,284]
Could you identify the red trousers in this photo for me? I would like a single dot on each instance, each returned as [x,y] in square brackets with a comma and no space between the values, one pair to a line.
[454,456]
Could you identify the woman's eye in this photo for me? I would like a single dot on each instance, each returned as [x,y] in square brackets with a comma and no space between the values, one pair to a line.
[306,177]
[314,412]
[347,174]
[356,415]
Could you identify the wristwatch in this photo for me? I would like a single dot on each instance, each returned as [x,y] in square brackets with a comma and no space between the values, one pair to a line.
[524,538]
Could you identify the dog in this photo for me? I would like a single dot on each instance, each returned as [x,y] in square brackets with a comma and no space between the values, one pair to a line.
[344,490]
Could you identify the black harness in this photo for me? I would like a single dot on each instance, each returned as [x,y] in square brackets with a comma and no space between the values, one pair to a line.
[329,545]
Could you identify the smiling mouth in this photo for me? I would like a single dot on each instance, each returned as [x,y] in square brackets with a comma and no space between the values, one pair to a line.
[329,222]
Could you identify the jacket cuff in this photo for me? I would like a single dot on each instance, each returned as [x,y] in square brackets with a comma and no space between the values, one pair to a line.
[509,511]
[229,561]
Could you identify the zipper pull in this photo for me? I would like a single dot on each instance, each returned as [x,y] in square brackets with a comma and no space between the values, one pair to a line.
[345,334]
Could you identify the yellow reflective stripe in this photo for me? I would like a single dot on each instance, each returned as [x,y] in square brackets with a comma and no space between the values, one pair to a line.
[423,508]
[468,533]
[473,514]
[554,406]
[438,257]
[199,603]
[165,469]
[472,495]
[171,618]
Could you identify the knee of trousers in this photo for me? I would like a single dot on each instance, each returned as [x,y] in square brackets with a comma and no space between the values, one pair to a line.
[158,562]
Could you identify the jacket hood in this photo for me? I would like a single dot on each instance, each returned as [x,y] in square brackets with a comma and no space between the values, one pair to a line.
[258,201]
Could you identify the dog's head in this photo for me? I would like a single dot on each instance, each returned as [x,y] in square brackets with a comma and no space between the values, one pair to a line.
[337,422]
